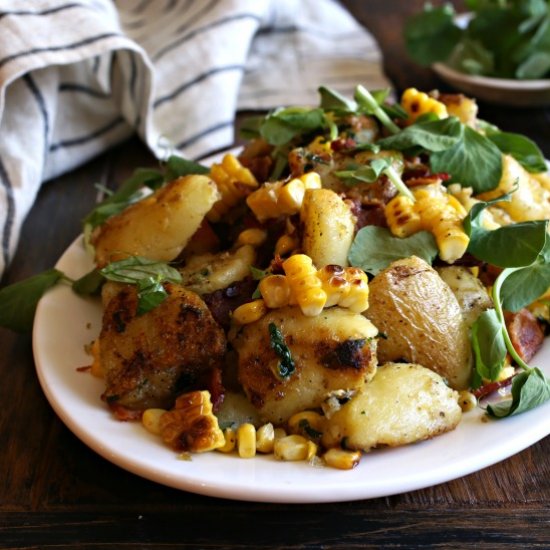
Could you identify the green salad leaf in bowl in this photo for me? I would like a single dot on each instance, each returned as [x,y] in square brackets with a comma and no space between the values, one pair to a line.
[497,38]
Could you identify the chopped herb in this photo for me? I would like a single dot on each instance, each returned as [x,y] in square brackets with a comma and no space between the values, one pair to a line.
[286,364]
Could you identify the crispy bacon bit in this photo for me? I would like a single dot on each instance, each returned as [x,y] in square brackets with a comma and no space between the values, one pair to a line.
[490,387]
[343,144]
[87,368]
[526,333]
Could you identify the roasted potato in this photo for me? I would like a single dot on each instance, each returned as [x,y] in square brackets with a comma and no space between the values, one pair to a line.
[421,320]
[207,273]
[334,350]
[158,226]
[402,404]
[148,359]
[328,227]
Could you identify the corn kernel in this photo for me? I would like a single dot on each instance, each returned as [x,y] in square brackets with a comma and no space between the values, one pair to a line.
[342,459]
[96,368]
[151,420]
[275,291]
[286,245]
[250,312]
[291,448]
[467,400]
[419,103]
[309,424]
[230,441]
[253,236]
[246,440]
[402,219]
[304,284]
[265,438]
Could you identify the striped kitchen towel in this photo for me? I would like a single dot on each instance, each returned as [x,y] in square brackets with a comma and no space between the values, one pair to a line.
[77,77]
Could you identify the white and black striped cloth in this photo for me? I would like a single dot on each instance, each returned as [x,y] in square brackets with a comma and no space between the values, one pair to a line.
[77,77]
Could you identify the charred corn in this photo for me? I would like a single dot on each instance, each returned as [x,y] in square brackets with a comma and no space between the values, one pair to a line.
[279,198]
[304,284]
[419,103]
[234,182]
[342,459]
[345,287]
[401,216]
[250,312]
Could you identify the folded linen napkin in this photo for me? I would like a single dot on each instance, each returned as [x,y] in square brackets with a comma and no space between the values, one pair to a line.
[77,77]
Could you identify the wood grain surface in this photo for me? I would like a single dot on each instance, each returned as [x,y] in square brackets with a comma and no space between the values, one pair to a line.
[57,493]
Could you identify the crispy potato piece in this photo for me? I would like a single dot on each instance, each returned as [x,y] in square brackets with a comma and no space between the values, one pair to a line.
[421,319]
[148,359]
[158,226]
[334,350]
[402,404]
[328,227]
[207,273]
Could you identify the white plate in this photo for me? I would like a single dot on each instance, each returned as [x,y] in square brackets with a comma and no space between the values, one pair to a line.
[503,91]
[65,323]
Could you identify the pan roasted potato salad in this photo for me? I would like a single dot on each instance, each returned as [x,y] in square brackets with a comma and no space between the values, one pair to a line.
[359,275]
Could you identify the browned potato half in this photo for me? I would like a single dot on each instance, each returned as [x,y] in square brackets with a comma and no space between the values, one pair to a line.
[334,350]
[149,359]
[158,226]
[421,320]
[402,404]
[328,227]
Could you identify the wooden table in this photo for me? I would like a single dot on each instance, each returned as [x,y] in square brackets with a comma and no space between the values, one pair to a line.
[55,492]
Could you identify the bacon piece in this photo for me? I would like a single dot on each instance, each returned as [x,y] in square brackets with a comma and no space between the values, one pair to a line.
[526,333]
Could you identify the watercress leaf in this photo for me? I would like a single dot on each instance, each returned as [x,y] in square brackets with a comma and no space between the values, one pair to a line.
[366,173]
[282,125]
[258,274]
[524,150]
[89,284]
[536,65]
[18,301]
[176,167]
[524,286]
[474,161]
[431,35]
[375,248]
[331,100]
[529,390]
[514,245]
[433,135]
[488,344]
[470,56]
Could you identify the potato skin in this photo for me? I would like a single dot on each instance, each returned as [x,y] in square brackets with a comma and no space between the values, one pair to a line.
[334,350]
[402,404]
[328,227]
[421,319]
[148,359]
[158,226]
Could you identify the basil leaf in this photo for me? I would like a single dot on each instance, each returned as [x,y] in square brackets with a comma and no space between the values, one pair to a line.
[375,248]
[488,344]
[89,284]
[525,151]
[286,364]
[331,100]
[176,167]
[433,135]
[18,301]
[473,161]
[529,390]
[151,293]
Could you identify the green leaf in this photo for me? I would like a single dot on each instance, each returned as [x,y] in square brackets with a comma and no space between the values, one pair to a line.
[433,136]
[488,344]
[147,275]
[89,284]
[365,173]
[282,125]
[474,161]
[286,364]
[18,301]
[529,390]
[524,150]
[524,286]
[331,100]
[431,35]
[176,167]
[375,248]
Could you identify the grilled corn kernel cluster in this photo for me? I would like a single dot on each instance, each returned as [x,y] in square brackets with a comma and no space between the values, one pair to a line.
[279,198]
[418,103]
[312,290]
[433,210]
[234,182]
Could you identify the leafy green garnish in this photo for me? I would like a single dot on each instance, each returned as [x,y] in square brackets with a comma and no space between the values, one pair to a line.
[286,365]
[524,150]
[147,275]
[18,301]
[375,248]
[506,39]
